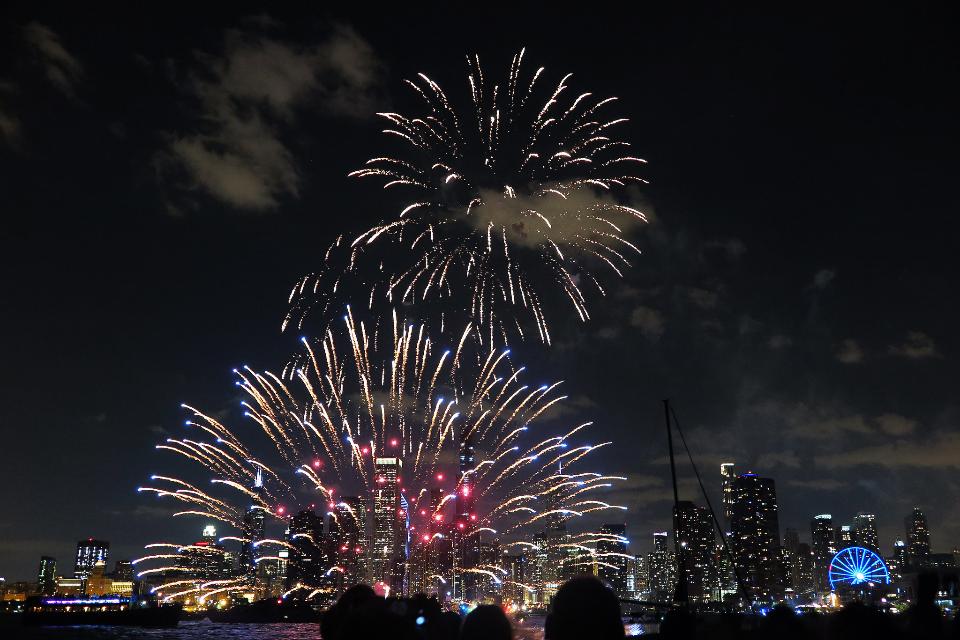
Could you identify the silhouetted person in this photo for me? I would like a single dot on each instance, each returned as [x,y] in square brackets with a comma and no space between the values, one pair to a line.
[584,609]
[857,620]
[447,627]
[355,597]
[783,623]
[678,623]
[376,620]
[486,622]
[924,619]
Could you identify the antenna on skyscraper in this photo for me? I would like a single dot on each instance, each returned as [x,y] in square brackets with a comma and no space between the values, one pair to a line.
[703,491]
[680,594]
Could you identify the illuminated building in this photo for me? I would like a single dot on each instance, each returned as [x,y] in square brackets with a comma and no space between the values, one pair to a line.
[799,567]
[693,528]
[386,553]
[612,554]
[89,553]
[487,589]
[516,567]
[548,562]
[15,592]
[756,537]
[97,583]
[729,475]
[465,543]
[205,559]
[123,570]
[418,565]
[252,530]
[347,535]
[70,586]
[918,538]
[309,559]
[843,536]
[270,578]
[824,548]
[726,576]
[47,576]
[638,578]
[899,561]
[662,567]
[865,531]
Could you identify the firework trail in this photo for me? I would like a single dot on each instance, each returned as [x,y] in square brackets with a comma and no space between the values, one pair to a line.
[366,392]
[506,203]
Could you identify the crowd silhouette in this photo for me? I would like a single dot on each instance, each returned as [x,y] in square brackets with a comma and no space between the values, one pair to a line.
[584,609]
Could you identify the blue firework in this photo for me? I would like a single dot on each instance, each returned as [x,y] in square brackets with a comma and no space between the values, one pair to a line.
[855,566]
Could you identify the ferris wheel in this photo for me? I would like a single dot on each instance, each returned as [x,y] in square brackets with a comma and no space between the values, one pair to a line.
[854,566]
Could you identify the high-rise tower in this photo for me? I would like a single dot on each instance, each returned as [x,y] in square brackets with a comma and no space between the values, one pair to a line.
[824,548]
[386,563]
[865,531]
[89,553]
[612,554]
[918,538]
[756,536]
[729,475]
[693,528]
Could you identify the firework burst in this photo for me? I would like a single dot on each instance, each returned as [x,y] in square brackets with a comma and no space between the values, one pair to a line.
[516,198]
[458,438]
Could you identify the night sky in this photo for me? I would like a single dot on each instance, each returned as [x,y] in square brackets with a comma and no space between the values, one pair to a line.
[794,298]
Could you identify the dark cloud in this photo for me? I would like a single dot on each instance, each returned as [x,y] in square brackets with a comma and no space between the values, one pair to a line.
[917,345]
[937,451]
[823,278]
[248,96]
[9,121]
[850,352]
[61,68]
[779,341]
[820,484]
[649,320]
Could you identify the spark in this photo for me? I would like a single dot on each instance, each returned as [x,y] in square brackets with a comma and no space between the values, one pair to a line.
[518,197]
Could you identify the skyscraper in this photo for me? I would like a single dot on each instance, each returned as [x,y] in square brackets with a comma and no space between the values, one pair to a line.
[123,570]
[824,548]
[89,553]
[386,561]
[347,535]
[693,528]
[516,568]
[865,531]
[899,562]
[612,554]
[47,576]
[253,529]
[205,559]
[638,578]
[466,544]
[918,538]
[843,535]
[310,557]
[662,565]
[756,536]
[729,475]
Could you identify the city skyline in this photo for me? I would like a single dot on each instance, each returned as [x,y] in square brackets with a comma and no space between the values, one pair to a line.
[793,297]
[840,531]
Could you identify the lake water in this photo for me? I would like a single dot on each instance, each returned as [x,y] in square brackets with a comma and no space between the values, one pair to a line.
[206,630]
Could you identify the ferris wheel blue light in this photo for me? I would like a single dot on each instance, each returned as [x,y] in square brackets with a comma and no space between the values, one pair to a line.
[854,566]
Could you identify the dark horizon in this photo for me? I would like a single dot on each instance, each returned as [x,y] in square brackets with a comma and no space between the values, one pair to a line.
[793,296]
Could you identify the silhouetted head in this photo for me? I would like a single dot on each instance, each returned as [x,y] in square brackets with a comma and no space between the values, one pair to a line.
[584,608]
[377,619]
[446,627]
[353,598]
[486,622]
